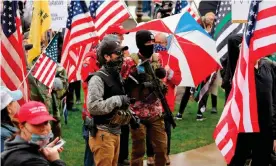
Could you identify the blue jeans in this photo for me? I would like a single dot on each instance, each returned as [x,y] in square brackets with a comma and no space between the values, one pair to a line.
[88,155]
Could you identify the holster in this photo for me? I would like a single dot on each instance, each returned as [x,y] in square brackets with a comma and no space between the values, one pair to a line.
[89,124]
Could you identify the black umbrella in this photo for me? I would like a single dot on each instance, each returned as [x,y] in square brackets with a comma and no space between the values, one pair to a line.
[207,6]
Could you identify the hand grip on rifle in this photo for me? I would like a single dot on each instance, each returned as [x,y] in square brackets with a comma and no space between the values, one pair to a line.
[159,93]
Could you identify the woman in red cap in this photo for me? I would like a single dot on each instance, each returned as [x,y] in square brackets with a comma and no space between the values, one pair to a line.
[31,141]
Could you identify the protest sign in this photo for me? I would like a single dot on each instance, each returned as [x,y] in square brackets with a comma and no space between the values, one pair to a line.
[240,9]
[59,13]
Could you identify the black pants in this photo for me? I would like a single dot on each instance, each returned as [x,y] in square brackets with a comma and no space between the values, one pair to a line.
[74,87]
[257,146]
[168,128]
[184,100]
[124,140]
[202,102]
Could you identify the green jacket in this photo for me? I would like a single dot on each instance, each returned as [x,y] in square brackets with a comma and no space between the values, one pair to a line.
[57,96]
[39,92]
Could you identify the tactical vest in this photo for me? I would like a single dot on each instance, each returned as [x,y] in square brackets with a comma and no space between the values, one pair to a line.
[134,83]
[112,87]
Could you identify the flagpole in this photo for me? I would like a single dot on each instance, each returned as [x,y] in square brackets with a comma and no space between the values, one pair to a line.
[33,65]
[124,3]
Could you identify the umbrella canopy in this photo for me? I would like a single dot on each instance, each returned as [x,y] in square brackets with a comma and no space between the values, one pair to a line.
[189,43]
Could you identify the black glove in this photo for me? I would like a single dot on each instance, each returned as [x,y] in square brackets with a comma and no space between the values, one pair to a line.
[135,121]
[125,101]
[160,72]
[142,77]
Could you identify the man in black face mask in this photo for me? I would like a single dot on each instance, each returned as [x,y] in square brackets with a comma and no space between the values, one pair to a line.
[147,106]
[107,104]
[145,42]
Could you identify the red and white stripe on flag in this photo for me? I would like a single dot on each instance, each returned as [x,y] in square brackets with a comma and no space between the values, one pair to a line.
[77,56]
[240,112]
[109,13]
[13,64]
[45,70]
[79,33]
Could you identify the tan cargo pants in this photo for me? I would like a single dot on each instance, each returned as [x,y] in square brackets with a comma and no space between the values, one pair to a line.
[105,147]
[158,137]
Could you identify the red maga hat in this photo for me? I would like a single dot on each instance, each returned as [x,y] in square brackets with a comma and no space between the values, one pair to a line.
[34,112]
[116,28]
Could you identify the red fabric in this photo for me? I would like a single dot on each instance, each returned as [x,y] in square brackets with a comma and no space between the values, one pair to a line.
[142,110]
[190,49]
[33,112]
[240,114]
[129,66]
[89,66]
[116,28]
[175,80]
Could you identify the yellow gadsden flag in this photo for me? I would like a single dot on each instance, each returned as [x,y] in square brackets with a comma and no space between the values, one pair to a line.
[41,22]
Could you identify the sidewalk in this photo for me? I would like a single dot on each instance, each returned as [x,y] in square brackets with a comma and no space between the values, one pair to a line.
[207,156]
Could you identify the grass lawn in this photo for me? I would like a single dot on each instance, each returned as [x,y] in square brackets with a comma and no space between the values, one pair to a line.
[189,134]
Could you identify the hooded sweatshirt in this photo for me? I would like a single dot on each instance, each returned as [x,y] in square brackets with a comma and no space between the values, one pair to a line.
[6,132]
[28,152]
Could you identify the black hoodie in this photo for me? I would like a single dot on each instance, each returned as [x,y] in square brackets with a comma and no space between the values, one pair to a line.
[18,152]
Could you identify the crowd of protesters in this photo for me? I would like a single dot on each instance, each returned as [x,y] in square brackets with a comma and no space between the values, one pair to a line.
[117,103]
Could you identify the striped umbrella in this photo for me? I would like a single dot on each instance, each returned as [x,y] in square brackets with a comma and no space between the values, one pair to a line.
[189,43]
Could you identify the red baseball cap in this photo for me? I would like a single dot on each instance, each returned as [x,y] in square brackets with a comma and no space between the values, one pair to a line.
[116,29]
[33,112]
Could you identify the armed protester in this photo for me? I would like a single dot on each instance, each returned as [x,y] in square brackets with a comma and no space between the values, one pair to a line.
[145,87]
[108,104]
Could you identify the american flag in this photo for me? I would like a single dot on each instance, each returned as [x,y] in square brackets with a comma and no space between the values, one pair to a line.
[159,48]
[13,63]
[224,28]
[184,5]
[79,34]
[45,67]
[106,13]
[240,112]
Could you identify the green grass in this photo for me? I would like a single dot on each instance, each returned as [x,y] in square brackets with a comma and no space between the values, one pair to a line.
[189,134]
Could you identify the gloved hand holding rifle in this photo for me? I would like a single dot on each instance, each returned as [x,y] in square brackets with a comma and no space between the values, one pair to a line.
[158,91]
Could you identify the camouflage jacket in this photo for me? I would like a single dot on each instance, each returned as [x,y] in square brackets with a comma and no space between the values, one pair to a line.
[52,100]
[57,96]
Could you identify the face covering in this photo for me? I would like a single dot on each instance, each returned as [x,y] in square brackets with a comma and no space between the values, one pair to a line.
[41,140]
[146,51]
[114,66]
[159,47]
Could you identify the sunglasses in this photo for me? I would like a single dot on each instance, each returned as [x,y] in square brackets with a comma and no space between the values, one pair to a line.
[117,53]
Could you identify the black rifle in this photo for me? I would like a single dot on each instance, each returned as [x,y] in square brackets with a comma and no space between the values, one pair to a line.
[155,84]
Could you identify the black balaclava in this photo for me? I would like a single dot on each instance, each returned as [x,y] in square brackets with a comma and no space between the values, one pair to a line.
[143,37]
